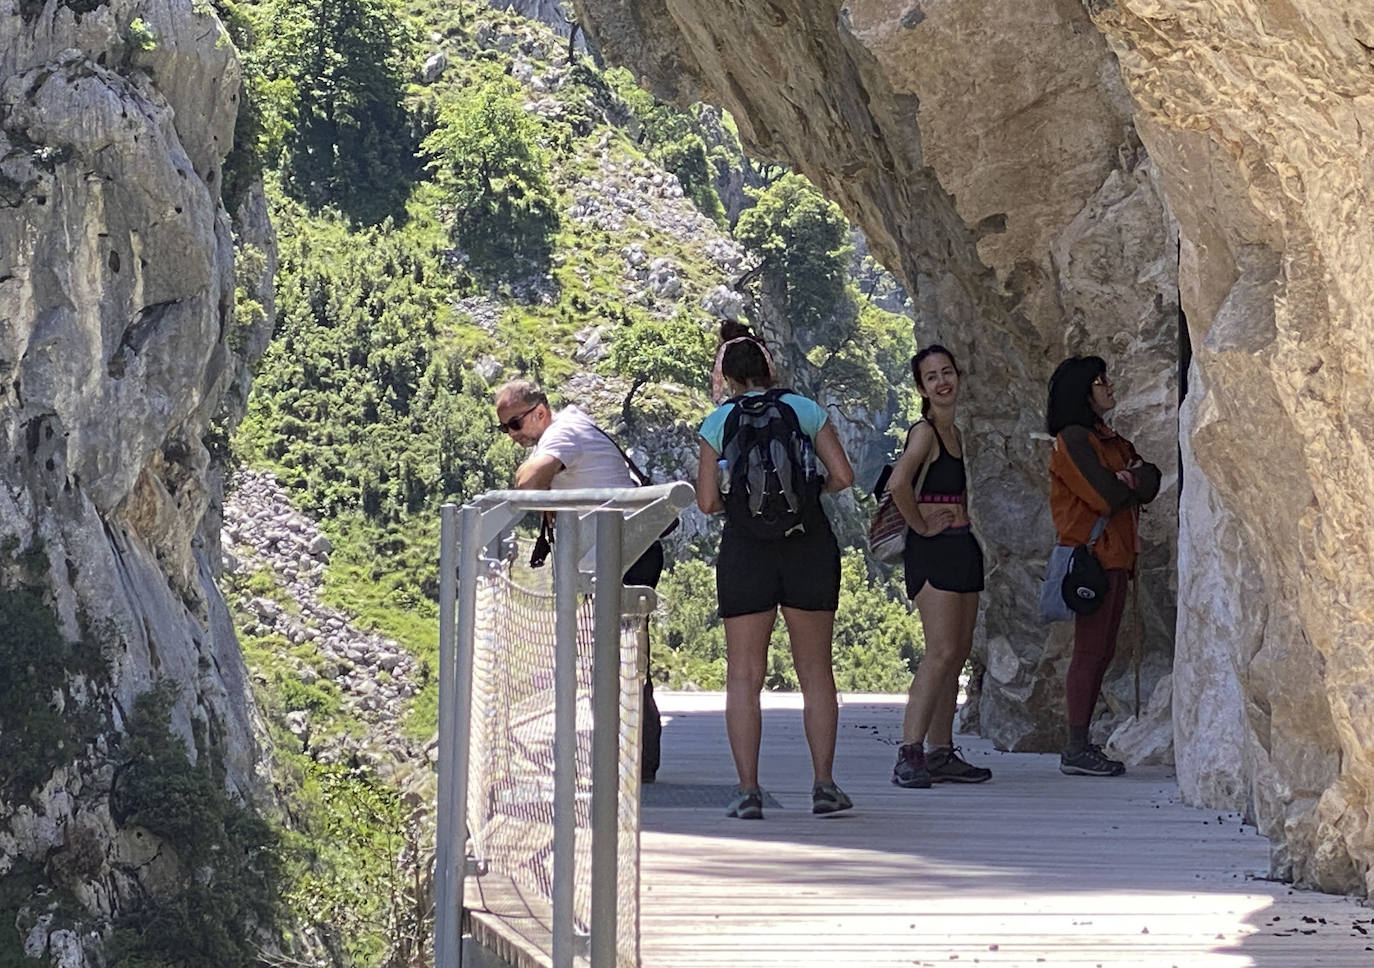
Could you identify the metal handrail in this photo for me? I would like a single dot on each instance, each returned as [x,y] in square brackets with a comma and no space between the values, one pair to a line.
[618,538]
[677,493]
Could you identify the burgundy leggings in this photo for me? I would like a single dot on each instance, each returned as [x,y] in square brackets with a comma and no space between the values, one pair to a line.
[1094,644]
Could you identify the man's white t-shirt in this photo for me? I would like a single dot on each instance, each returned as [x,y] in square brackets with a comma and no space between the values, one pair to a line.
[588,456]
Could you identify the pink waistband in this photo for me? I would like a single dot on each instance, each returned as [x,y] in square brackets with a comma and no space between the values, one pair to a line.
[940,499]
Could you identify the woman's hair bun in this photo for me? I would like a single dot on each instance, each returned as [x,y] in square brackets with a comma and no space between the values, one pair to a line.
[734,329]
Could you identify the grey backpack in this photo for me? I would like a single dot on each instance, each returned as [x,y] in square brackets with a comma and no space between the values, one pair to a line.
[775,484]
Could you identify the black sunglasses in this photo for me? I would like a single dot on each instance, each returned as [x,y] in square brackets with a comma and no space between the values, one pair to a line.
[513,425]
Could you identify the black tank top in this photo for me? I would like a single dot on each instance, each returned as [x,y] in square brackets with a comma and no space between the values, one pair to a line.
[945,481]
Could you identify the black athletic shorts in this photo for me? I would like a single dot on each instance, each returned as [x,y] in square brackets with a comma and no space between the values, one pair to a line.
[951,561]
[801,571]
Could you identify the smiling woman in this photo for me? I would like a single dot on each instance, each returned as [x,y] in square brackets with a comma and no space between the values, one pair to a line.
[943,566]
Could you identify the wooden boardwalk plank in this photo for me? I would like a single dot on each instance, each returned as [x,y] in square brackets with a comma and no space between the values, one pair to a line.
[1033,868]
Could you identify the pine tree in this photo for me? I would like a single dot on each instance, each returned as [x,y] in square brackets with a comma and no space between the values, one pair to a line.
[350,143]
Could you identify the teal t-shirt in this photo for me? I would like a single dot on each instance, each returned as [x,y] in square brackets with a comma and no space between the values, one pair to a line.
[810,414]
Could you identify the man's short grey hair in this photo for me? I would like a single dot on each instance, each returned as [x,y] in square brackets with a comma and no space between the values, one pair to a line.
[522,393]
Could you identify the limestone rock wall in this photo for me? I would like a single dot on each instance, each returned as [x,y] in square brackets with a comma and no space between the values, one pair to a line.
[116,312]
[1259,117]
[988,154]
[1061,175]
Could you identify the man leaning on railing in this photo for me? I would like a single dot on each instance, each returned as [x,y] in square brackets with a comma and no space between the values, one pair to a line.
[568,450]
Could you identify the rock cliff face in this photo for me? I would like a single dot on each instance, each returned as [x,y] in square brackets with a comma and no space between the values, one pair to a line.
[1258,116]
[1054,176]
[118,347]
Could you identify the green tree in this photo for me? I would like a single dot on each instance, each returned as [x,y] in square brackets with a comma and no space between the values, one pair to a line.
[227,898]
[349,143]
[878,640]
[360,883]
[803,239]
[689,640]
[657,351]
[260,125]
[686,158]
[359,403]
[863,359]
[487,160]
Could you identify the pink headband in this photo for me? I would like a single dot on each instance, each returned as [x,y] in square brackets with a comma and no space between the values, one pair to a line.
[718,378]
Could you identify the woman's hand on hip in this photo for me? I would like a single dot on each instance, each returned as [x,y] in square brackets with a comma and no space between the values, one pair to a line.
[937,519]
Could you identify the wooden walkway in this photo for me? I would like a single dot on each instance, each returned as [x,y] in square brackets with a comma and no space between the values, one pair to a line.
[1033,868]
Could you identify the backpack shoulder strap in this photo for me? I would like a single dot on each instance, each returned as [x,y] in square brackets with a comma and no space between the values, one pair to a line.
[731,425]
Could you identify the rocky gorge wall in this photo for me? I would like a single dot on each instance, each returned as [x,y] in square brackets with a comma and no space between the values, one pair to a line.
[1061,176]
[1258,116]
[120,357]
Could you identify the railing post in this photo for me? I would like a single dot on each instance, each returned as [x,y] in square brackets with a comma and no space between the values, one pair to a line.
[449,859]
[565,583]
[606,736]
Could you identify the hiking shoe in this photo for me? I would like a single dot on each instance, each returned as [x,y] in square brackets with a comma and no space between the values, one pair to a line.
[947,766]
[1090,761]
[911,770]
[828,798]
[747,805]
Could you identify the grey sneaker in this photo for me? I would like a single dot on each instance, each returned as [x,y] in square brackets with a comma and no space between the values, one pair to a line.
[1089,761]
[828,798]
[747,805]
[911,771]
[947,766]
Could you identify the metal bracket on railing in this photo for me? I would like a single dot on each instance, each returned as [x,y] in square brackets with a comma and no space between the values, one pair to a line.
[637,600]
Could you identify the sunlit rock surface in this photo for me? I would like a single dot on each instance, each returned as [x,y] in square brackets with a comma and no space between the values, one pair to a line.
[117,348]
[1259,117]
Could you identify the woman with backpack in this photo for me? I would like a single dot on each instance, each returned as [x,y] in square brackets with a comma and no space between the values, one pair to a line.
[757,463]
[943,566]
[1095,474]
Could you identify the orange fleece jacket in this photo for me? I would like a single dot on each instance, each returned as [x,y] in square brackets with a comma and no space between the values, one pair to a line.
[1084,486]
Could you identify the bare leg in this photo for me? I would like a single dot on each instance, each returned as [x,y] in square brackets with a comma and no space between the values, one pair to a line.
[811,635]
[943,618]
[941,729]
[746,657]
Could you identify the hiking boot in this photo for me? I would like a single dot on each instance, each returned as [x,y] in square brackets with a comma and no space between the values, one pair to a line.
[1089,761]
[828,798]
[747,805]
[947,766]
[911,771]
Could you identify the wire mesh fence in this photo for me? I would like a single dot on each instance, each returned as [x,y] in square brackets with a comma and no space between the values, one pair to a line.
[511,769]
